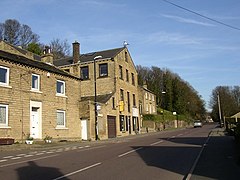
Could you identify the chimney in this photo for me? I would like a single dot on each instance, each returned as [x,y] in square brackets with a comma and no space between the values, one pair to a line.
[145,85]
[76,52]
[47,56]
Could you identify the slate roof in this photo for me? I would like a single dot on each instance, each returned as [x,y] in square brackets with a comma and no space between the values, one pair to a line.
[89,57]
[33,63]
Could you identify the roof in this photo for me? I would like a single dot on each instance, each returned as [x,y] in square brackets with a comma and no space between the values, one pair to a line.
[33,63]
[100,98]
[22,51]
[89,57]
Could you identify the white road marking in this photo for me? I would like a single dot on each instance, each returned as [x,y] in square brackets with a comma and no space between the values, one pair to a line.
[7,157]
[29,155]
[38,154]
[21,155]
[134,150]
[16,158]
[75,172]
[156,143]
[196,160]
[3,160]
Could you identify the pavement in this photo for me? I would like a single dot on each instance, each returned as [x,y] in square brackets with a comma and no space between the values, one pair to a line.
[220,158]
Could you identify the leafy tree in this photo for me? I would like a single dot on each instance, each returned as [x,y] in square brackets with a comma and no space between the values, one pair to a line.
[179,95]
[228,101]
[35,48]
[15,33]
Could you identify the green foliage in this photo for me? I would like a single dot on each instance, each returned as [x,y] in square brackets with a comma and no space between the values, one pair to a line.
[180,95]
[34,48]
[228,101]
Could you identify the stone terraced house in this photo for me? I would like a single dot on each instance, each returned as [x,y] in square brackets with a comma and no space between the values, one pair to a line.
[36,98]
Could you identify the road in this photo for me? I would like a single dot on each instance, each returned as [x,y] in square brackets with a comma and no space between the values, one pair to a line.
[162,155]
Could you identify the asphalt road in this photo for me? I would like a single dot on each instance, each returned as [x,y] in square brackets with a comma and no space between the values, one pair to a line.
[163,155]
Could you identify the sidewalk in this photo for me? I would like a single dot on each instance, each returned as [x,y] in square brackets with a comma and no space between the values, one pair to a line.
[219,159]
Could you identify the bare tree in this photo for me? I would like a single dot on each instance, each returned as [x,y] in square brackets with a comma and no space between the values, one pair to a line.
[15,33]
[60,49]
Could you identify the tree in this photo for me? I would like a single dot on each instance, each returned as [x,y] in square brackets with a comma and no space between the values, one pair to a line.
[228,99]
[60,49]
[15,33]
[35,48]
[179,95]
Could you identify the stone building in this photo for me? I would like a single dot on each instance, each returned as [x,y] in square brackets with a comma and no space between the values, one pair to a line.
[116,92]
[37,98]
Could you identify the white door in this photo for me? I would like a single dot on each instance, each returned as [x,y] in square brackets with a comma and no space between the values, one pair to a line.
[34,124]
[84,129]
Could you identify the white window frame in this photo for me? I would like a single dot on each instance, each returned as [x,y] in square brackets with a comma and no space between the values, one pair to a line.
[64,88]
[38,82]
[3,125]
[64,119]
[6,83]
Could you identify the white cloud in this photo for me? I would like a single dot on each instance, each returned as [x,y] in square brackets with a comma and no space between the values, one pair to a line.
[185,20]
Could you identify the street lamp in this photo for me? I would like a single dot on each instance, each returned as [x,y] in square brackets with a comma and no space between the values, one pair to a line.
[163,103]
[95,97]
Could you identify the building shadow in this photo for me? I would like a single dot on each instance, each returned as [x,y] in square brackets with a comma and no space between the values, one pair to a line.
[35,172]
[216,161]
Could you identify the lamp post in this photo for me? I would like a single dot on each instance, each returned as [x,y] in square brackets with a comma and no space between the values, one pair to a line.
[95,97]
[163,101]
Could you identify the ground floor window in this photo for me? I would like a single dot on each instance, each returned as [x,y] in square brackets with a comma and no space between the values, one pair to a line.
[61,119]
[3,115]
[122,124]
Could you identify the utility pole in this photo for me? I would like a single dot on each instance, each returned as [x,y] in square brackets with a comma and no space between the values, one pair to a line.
[219,109]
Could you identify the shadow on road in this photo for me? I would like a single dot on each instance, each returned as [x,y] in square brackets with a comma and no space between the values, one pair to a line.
[33,171]
[178,154]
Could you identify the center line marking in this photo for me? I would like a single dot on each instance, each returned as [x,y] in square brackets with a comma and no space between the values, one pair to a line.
[134,150]
[75,172]
[156,143]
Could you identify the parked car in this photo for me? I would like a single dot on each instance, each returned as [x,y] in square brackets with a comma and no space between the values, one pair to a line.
[197,123]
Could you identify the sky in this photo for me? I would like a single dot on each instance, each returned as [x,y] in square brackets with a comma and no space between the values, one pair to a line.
[204,53]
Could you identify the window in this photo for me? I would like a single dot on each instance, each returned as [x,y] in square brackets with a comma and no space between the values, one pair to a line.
[3,115]
[35,81]
[4,76]
[133,79]
[153,99]
[128,102]
[120,72]
[121,95]
[134,100]
[84,73]
[103,70]
[122,125]
[126,56]
[60,87]
[113,103]
[127,76]
[61,120]
[146,95]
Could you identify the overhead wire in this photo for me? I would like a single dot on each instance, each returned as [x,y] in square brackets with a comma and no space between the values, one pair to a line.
[203,16]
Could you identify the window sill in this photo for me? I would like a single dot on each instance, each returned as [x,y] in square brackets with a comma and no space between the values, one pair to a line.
[36,91]
[5,127]
[61,128]
[103,77]
[61,95]
[5,86]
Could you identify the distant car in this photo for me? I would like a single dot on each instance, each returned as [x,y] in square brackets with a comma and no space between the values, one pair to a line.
[197,123]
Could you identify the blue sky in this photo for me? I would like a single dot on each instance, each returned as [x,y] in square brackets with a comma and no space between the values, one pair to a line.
[202,52]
